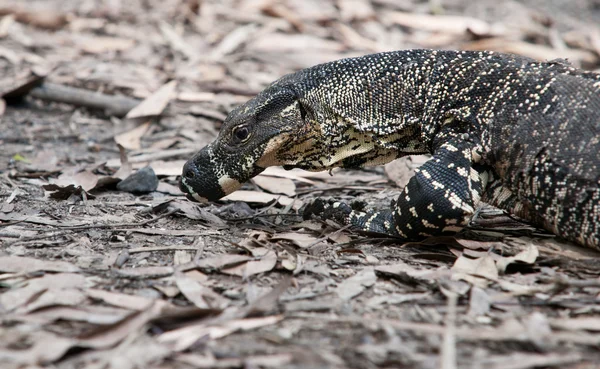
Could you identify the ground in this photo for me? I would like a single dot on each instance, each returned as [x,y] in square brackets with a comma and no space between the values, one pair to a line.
[95,277]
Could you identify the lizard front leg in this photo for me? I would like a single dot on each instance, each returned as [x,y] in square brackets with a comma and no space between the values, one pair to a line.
[440,199]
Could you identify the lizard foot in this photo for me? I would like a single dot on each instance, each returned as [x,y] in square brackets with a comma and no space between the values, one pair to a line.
[328,209]
[354,214]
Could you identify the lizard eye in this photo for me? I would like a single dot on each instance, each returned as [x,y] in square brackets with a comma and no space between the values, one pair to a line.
[241,134]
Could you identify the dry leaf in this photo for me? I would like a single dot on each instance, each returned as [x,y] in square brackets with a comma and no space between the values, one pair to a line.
[31,292]
[145,272]
[476,271]
[44,161]
[395,299]
[54,296]
[527,256]
[50,20]
[313,10]
[45,348]
[266,263]
[534,51]
[167,168]
[283,43]
[479,302]
[98,45]
[454,24]
[194,96]
[105,337]
[202,297]
[132,139]
[519,360]
[356,284]
[21,84]
[99,315]
[197,212]
[295,174]
[222,261]
[283,186]
[268,301]
[584,323]
[19,264]
[156,103]
[182,338]
[122,300]
[410,275]
[355,9]
[169,189]
[403,169]
[261,198]
[302,240]
[125,168]
[84,179]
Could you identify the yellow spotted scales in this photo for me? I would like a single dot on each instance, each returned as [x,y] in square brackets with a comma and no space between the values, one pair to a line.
[510,131]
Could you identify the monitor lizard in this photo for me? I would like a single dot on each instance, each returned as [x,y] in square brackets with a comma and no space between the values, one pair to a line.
[516,133]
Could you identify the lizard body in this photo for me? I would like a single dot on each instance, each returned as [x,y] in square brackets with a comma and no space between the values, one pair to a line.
[516,133]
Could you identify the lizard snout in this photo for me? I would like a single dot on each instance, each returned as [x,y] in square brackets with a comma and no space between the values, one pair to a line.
[198,180]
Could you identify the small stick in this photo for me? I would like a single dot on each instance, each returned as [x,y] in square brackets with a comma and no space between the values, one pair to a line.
[113,105]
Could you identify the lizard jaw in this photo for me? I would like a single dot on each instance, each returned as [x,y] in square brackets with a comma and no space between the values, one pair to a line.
[204,180]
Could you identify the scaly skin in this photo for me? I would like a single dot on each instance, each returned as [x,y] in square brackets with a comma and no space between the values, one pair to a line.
[516,133]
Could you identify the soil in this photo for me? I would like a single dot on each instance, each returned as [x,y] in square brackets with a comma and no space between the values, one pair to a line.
[93,277]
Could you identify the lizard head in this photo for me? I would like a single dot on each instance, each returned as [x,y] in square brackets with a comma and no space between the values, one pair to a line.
[248,142]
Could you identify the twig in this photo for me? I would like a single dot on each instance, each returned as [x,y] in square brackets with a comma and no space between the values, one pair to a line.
[448,354]
[65,230]
[161,248]
[122,225]
[38,138]
[113,105]
[9,234]
[161,155]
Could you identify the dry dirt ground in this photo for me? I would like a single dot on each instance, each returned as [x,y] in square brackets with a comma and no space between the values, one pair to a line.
[95,277]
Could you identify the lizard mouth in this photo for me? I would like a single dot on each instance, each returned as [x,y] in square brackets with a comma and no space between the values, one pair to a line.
[201,182]
[189,192]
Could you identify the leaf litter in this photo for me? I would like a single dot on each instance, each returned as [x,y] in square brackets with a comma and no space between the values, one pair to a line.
[94,277]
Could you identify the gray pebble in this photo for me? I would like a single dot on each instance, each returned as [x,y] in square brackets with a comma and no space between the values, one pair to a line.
[142,181]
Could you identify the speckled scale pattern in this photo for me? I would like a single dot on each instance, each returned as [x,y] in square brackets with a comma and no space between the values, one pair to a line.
[519,134]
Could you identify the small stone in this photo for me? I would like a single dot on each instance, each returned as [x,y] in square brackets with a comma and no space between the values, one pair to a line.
[142,181]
